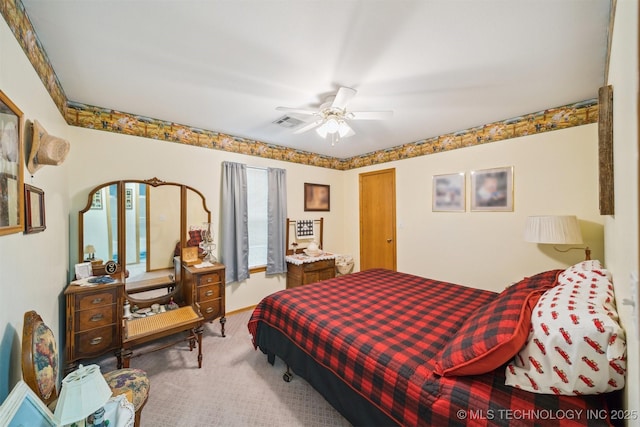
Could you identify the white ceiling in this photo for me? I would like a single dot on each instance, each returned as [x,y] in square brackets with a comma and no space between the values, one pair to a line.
[225,65]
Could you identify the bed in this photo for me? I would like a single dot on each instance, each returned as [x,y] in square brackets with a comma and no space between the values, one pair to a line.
[390,348]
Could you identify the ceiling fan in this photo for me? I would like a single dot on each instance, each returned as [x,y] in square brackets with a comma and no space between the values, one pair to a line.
[332,116]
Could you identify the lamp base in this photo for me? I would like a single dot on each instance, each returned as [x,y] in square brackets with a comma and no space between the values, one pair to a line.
[97,418]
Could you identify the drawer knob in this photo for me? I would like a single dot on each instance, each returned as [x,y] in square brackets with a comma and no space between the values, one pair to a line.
[97,317]
[209,310]
[208,293]
[97,300]
[96,341]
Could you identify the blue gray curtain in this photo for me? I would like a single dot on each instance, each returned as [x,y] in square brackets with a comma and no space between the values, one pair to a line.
[277,217]
[234,253]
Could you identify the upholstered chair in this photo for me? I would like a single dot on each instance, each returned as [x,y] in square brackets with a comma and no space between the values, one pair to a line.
[40,368]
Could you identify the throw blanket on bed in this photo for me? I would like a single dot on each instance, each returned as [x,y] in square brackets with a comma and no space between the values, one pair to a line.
[381,332]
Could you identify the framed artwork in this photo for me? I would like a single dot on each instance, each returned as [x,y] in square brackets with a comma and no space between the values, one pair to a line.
[11,167]
[492,190]
[23,408]
[128,198]
[96,201]
[317,197]
[605,150]
[448,193]
[33,209]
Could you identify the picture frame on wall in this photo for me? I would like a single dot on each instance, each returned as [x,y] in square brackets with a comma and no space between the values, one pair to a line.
[11,167]
[23,408]
[128,198]
[317,197]
[448,193]
[34,210]
[96,201]
[492,190]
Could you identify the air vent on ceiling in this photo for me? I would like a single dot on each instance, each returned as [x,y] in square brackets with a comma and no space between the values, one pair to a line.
[288,122]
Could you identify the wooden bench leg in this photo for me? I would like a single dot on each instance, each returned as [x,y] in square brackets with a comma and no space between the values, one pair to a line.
[198,332]
[124,357]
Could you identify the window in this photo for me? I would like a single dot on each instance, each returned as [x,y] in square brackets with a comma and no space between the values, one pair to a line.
[257,191]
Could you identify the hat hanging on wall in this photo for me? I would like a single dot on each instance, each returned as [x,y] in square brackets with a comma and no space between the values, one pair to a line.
[46,150]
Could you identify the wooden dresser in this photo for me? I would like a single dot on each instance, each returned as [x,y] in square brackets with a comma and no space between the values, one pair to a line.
[310,272]
[93,321]
[206,287]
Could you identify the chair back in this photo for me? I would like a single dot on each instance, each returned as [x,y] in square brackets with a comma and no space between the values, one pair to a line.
[39,357]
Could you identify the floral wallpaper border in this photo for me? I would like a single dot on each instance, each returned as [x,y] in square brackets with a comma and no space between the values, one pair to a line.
[91,117]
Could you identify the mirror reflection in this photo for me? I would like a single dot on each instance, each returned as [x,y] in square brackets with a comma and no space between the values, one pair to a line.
[142,225]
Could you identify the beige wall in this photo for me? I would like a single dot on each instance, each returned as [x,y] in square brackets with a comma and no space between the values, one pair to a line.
[115,156]
[33,268]
[555,173]
[622,228]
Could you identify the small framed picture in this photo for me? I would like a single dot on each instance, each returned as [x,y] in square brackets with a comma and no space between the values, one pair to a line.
[128,198]
[449,193]
[34,209]
[492,190]
[317,197]
[23,408]
[84,270]
[96,201]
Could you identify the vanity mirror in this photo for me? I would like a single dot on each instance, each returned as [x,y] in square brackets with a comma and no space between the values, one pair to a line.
[142,225]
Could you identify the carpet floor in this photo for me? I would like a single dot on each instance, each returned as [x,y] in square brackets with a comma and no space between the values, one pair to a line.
[236,386]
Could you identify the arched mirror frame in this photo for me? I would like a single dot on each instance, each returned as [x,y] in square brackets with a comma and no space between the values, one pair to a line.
[176,293]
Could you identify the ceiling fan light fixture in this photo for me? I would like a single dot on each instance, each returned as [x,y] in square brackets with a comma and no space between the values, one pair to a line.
[343,129]
[322,131]
[332,125]
[332,116]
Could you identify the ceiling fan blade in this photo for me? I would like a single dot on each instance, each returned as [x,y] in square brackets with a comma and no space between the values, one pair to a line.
[308,126]
[343,96]
[298,110]
[370,115]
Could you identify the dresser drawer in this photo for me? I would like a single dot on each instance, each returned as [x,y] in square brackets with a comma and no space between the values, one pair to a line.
[209,279]
[96,341]
[319,265]
[211,309]
[95,299]
[99,316]
[206,293]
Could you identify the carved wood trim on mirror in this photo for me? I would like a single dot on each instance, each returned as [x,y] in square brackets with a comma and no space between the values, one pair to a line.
[142,225]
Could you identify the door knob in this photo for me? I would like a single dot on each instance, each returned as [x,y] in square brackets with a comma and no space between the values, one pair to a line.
[389,240]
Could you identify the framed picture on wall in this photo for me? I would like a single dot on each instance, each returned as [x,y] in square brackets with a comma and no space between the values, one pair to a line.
[128,198]
[33,209]
[448,193]
[96,201]
[11,167]
[317,197]
[492,190]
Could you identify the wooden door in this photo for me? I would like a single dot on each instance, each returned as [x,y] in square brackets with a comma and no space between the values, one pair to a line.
[378,219]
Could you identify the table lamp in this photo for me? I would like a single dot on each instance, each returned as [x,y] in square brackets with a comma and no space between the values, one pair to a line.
[90,250]
[555,229]
[84,392]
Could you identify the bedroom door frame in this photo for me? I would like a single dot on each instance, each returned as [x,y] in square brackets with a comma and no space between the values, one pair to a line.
[378,247]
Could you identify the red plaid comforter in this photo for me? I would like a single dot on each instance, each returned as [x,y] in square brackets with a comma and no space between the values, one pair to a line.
[379,331]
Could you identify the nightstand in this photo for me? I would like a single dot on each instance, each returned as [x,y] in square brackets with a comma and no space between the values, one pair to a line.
[94,321]
[310,272]
[206,287]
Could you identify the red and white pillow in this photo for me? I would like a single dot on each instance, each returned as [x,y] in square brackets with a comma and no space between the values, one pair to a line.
[575,345]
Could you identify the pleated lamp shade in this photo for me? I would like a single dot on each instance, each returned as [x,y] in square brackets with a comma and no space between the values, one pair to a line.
[83,392]
[553,229]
